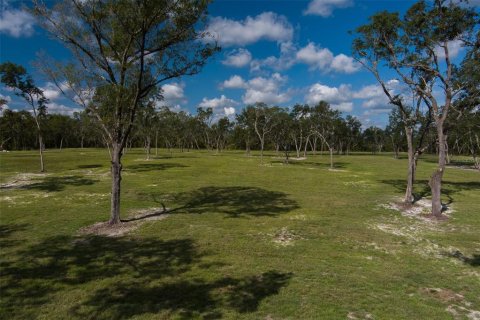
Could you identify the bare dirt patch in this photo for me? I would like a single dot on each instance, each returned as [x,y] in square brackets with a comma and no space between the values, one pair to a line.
[359,315]
[285,237]
[458,307]
[421,209]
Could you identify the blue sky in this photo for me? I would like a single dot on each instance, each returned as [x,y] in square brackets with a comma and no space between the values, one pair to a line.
[281,52]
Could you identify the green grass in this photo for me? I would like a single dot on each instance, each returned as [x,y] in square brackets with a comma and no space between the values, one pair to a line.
[218,254]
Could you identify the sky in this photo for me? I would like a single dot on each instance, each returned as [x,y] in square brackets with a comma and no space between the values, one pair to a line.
[281,52]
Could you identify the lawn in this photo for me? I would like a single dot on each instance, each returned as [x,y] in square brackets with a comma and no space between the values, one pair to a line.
[242,241]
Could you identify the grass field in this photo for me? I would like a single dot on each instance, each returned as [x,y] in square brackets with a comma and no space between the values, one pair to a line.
[243,241]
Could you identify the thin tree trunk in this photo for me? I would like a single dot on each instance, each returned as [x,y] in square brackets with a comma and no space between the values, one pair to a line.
[331,158]
[156,143]
[409,198]
[116,181]
[436,178]
[40,147]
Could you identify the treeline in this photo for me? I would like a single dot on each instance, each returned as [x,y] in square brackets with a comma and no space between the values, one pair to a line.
[291,131]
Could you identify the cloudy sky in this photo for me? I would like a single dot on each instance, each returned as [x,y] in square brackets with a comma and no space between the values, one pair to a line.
[280,52]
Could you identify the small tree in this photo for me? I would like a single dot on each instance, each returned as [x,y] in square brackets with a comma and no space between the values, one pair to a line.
[15,76]
[123,51]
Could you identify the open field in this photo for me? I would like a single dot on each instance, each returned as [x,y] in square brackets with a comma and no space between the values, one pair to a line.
[242,240]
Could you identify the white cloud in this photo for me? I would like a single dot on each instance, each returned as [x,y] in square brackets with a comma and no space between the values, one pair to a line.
[56,108]
[266,90]
[235,82]
[333,95]
[265,26]
[324,8]
[345,64]
[283,62]
[324,60]
[343,107]
[173,94]
[229,111]
[454,48]
[238,58]
[218,103]
[16,23]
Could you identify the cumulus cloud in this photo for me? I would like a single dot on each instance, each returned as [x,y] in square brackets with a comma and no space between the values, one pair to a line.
[265,26]
[324,60]
[218,103]
[235,82]
[57,108]
[266,90]
[341,98]
[173,95]
[222,107]
[283,62]
[324,8]
[16,23]
[238,58]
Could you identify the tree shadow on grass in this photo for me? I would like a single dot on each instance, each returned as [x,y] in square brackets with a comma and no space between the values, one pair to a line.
[89,166]
[53,184]
[474,261]
[118,278]
[6,231]
[303,163]
[234,201]
[422,189]
[145,167]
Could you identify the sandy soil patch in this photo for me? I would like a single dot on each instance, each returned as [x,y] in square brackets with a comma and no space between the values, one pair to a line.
[420,209]
[359,315]
[285,237]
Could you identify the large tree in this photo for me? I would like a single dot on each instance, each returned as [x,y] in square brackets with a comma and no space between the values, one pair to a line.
[16,77]
[123,51]
[417,48]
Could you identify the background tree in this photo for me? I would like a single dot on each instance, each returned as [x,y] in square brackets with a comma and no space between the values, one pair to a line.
[124,50]
[15,76]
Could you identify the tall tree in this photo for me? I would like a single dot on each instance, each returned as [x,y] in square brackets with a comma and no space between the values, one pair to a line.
[15,76]
[123,51]
[417,47]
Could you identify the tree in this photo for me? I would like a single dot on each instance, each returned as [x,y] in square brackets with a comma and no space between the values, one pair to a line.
[123,51]
[15,76]
[264,123]
[416,48]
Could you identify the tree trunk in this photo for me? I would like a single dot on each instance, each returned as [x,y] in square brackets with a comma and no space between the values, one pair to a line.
[156,143]
[436,179]
[409,198]
[331,158]
[61,143]
[40,147]
[261,151]
[116,180]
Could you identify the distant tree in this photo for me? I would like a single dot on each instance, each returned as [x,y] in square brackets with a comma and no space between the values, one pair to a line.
[395,130]
[124,50]
[15,76]
[246,126]
[354,130]
[325,122]
[264,122]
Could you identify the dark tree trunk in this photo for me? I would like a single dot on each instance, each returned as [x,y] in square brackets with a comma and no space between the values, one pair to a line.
[116,180]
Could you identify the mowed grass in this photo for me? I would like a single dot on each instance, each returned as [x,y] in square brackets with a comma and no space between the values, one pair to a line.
[244,240]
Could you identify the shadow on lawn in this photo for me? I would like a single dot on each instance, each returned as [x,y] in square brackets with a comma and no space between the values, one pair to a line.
[118,278]
[234,201]
[303,163]
[89,166]
[6,230]
[144,167]
[474,261]
[52,184]
[449,188]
